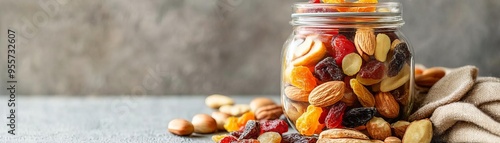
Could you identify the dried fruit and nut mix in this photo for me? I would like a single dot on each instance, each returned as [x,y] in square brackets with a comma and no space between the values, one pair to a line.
[347,65]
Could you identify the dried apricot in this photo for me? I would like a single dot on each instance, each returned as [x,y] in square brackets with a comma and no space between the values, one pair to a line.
[308,122]
[302,78]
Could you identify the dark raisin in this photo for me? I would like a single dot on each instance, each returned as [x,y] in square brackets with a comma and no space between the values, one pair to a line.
[328,70]
[297,138]
[251,131]
[358,116]
[401,55]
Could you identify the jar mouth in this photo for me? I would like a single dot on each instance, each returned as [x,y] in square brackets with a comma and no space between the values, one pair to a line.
[382,14]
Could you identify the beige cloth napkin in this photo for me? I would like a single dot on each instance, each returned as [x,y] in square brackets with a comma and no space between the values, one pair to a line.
[463,107]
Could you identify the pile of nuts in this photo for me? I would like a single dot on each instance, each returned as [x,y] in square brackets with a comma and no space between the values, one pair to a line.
[254,122]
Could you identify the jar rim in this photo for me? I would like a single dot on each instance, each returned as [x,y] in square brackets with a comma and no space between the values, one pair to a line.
[385,14]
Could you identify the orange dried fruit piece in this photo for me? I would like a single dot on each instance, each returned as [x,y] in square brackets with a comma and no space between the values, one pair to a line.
[302,78]
[308,123]
[235,123]
[231,124]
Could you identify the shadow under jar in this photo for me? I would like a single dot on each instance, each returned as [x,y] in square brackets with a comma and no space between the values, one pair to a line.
[345,64]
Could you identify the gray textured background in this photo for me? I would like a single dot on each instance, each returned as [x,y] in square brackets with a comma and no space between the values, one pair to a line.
[94,47]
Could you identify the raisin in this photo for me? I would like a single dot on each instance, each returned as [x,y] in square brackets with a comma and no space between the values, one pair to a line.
[358,116]
[251,131]
[334,118]
[341,47]
[328,70]
[372,70]
[401,55]
[297,138]
[228,139]
[278,125]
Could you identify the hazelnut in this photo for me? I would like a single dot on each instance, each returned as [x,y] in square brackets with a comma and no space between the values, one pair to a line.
[378,128]
[204,124]
[180,127]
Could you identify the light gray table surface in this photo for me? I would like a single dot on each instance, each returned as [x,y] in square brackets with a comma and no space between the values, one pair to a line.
[104,119]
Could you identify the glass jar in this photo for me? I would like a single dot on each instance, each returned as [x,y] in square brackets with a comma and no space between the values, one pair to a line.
[345,64]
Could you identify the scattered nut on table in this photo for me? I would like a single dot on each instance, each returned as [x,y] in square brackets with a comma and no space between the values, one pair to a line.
[180,127]
[418,132]
[216,100]
[378,128]
[269,112]
[204,124]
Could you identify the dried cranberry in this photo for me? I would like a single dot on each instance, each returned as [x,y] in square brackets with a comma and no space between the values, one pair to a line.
[334,117]
[372,70]
[314,1]
[278,125]
[341,47]
[228,139]
[297,138]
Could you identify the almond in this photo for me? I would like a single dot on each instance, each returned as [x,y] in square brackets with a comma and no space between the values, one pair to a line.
[364,96]
[318,50]
[296,94]
[418,132]
[342,133]
[399,128]
[365,41]
[386,105]
[383,46]
[327,94]
[378,128]
[216,100]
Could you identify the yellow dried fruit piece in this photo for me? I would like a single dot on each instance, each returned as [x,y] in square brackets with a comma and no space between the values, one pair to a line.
[364,96]
[308,122]
[383,46]
[394,82]
[333,1]
[351,64]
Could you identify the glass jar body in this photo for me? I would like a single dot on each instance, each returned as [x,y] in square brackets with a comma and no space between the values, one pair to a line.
[343,77]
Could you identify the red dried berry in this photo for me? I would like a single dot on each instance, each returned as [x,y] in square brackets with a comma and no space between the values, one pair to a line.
[341,47]
[372,70]
[228,139]
[334,117]
[323,115]
[248,141]
[279,126]
[252,130]
[314,1]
